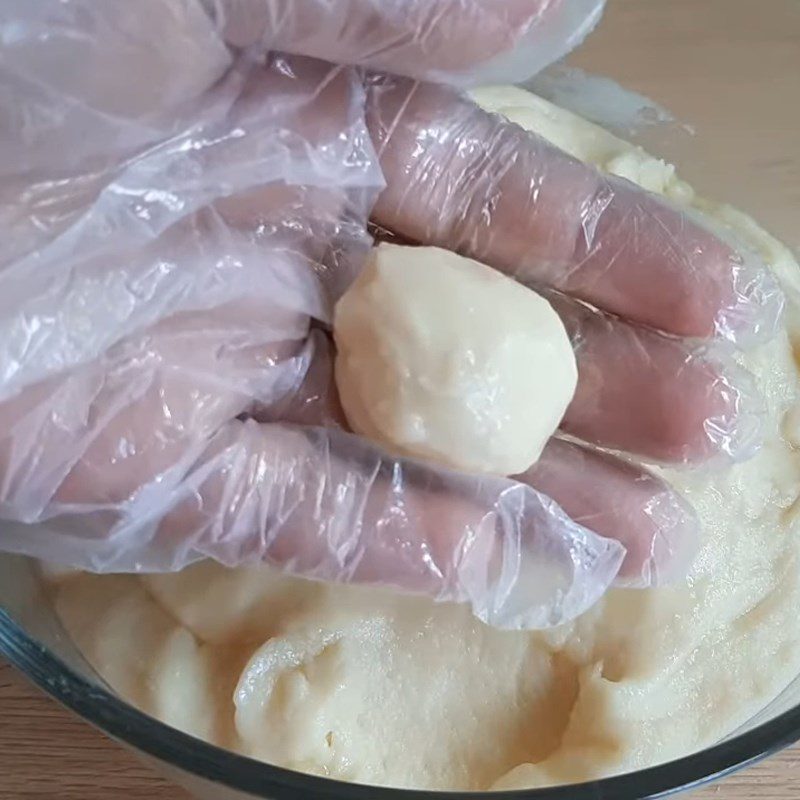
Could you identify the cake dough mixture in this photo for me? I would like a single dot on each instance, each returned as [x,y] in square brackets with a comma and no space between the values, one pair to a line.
[368,686]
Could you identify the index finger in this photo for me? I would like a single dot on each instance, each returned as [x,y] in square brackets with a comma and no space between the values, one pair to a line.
[461,178]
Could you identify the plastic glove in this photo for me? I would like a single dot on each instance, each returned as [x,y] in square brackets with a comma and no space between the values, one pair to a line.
[164,387]
[439,40]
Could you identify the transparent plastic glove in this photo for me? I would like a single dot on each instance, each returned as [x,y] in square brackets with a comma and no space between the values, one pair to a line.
[510,199]
[625,502]
[653,293]
[462,41]
[164,373]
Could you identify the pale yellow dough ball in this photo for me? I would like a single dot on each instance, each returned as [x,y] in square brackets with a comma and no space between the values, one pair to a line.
[443,358]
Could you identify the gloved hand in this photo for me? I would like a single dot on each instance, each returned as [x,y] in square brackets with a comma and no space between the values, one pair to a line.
[179,217]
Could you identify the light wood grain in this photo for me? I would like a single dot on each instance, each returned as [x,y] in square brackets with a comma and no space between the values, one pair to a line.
[730,68]
[48,752]
[45,752]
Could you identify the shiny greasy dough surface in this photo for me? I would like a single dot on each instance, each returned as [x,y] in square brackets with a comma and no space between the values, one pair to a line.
[366,686]
[427,366]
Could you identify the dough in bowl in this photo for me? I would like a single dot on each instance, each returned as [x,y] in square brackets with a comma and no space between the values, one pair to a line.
[388,689]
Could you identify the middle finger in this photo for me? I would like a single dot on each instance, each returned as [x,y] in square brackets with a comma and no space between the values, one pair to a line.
[461,178]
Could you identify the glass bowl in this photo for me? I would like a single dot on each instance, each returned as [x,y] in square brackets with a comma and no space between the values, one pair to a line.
[732,73]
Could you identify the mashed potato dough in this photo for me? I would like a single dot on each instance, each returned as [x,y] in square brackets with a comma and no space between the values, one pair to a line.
[444,358]
[368,686]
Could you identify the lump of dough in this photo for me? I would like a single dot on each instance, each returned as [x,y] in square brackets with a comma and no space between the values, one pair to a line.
[443,358]
[223,606]
[139,650]
[372,688]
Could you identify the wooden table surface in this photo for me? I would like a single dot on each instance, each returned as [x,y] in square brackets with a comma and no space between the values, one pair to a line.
[48,752]
[45,752]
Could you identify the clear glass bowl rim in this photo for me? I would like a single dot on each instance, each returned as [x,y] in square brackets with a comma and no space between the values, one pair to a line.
[121,721]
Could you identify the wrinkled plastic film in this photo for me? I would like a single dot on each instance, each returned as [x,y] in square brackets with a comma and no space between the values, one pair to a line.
[635,250]
[542,44]
[509,198]
[162,278]
[665,400]
[172,273]
[756,309]
[657,527]
[83,82]
[165,230]
[448,41]
[100,434]
[310,501]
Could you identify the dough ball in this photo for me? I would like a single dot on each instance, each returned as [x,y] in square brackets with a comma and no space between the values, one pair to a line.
[443,358]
